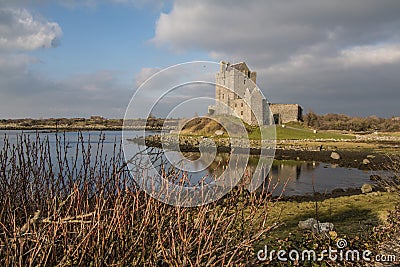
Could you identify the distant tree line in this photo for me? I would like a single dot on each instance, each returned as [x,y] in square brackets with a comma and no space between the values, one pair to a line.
[73,122]
[344,122]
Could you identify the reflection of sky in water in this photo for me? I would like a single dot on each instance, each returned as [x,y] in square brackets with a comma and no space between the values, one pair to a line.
[300,176]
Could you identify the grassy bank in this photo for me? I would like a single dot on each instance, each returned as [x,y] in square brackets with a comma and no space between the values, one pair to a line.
[297,135]
[351,215]
[297,131]
[290,131]
[365,222]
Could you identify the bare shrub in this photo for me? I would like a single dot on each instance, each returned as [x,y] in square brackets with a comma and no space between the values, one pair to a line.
[391,179]
[344,122]
[84,209]
[388,234]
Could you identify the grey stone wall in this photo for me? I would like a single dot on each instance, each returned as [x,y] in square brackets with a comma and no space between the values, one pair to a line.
[284,113]
[234,89]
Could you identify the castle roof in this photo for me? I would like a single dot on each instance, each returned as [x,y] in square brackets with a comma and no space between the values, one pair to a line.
[241,66]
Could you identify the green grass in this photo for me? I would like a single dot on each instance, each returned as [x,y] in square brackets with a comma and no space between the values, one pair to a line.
[291,131]
[296,131]
[304,133]
[349,214]
[395,134]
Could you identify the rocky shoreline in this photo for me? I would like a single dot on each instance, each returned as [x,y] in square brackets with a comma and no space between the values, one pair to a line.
[305,151]
[335,193]
[348,158]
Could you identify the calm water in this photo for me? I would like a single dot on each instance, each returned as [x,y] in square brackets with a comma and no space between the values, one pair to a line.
[300,176]
[325,177]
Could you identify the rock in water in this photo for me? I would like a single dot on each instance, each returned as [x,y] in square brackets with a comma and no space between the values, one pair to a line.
[335,155]
[366,188]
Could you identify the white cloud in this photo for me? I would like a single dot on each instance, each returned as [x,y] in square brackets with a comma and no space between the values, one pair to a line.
[144,74]
[371,54]
[274,30]
[309,51]
[21,30]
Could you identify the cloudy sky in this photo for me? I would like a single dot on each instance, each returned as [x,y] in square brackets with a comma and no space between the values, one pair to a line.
[71,58]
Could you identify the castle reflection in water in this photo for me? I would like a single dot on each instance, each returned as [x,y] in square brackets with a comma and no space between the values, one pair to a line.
[291,169]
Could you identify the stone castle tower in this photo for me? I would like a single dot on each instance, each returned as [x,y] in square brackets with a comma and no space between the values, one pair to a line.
[237,95]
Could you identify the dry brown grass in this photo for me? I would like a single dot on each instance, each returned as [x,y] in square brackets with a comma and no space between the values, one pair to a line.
[84,209]
[201,126]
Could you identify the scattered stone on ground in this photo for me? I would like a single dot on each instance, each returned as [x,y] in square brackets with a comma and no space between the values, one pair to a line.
[322,227]
[219,132]
[315,226]
[366,188]
[307,224]
[366,161]
[335,155]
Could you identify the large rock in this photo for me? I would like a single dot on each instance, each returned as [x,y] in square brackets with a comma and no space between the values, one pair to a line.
[219,132]
[366,188]
[307,224]
[366,161]
[335,155]
[322,227]
[315,226]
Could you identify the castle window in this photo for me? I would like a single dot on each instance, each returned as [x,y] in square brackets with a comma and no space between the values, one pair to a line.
[235,105]
[223,96]
[241,104]
[241,112]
